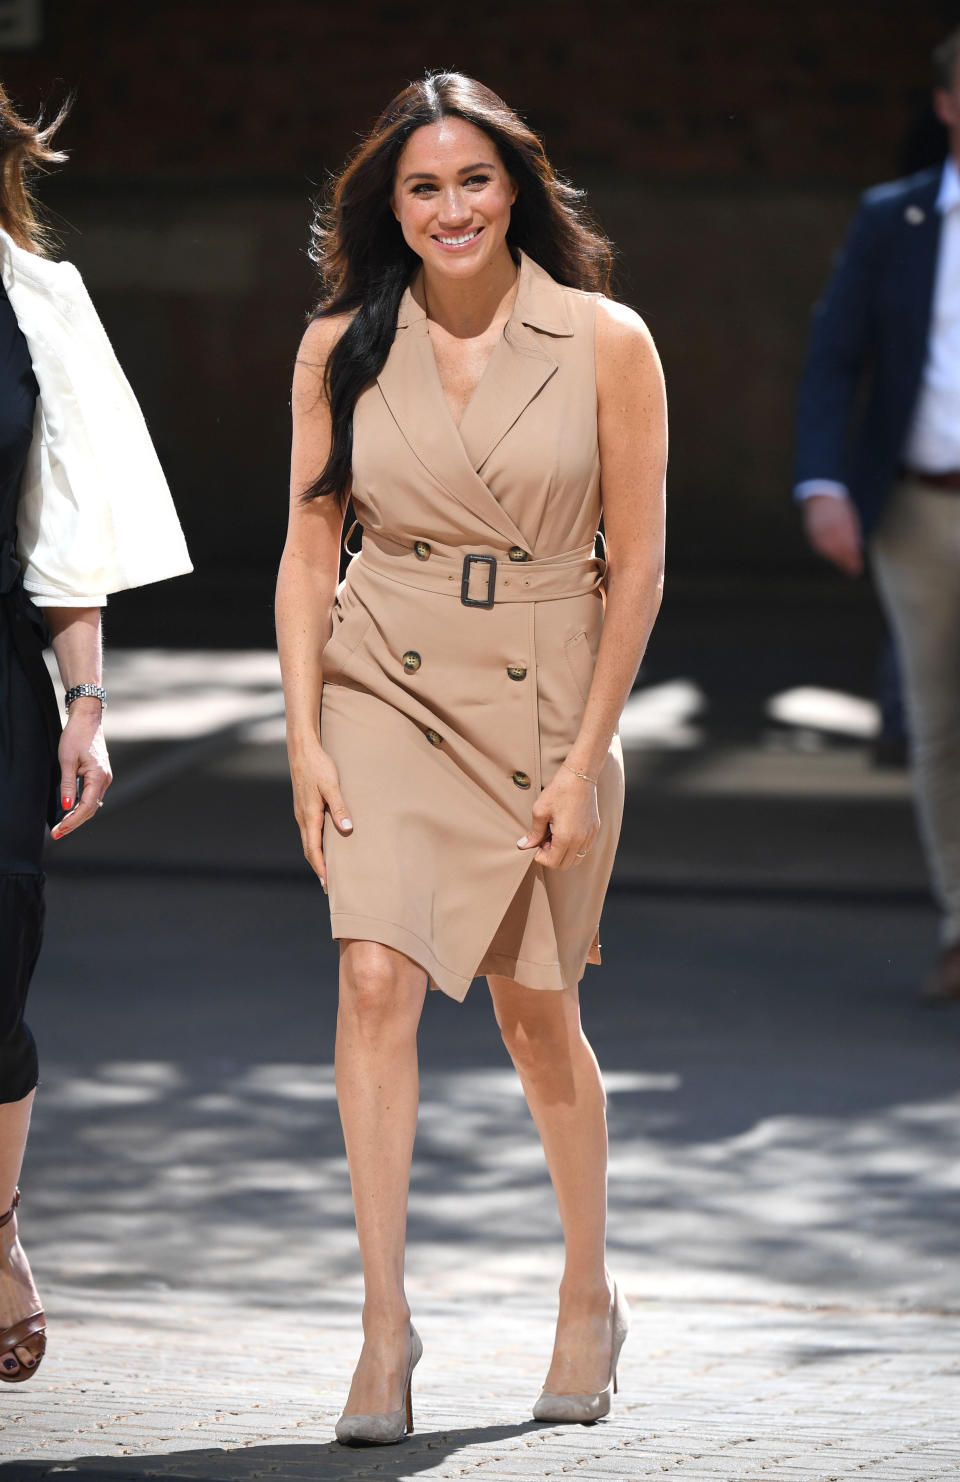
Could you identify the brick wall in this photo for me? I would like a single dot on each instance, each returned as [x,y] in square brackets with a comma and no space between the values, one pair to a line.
[723,144]
[766,90]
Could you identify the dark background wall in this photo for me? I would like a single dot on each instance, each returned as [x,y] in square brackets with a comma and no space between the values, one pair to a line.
[723,146]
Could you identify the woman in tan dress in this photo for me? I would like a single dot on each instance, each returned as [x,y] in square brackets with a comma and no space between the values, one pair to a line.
[452,706]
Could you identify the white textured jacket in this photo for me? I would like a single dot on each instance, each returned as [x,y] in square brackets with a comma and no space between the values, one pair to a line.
[95,513]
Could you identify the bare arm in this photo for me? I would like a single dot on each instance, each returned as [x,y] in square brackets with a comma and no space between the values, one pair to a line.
[306,586]
[82,751]
[632,431]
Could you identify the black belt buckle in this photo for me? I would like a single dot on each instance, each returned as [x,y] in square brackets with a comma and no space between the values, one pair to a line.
[491,563]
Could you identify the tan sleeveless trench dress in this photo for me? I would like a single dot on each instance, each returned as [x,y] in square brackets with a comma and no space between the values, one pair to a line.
[464,638]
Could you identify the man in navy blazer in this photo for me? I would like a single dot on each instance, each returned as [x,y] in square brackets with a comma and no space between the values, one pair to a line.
[878,463]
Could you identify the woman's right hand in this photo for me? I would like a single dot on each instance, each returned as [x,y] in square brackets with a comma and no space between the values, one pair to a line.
[316,788]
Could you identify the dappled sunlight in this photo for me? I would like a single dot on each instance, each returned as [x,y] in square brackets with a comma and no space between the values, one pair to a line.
[195,1174]
[663,715]
[161,694]
[819,709]
[783,1196]
[823,1205]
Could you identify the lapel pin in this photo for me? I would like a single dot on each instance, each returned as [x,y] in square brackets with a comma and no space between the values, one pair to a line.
[915,215]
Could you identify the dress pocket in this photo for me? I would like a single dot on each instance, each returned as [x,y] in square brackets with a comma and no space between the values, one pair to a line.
[350,625]
[580,662]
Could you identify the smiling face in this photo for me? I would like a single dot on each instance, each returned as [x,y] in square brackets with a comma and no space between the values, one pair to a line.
[452,197]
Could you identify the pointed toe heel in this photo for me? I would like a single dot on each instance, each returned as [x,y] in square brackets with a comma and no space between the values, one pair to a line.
[584,1409]
[390,1426]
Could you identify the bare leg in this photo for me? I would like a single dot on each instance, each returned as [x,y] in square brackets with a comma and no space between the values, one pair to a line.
[561,1081]
[381,998]
[18,1295]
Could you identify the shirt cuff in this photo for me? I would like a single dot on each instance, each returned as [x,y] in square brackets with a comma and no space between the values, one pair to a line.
[98,600]
[830,487]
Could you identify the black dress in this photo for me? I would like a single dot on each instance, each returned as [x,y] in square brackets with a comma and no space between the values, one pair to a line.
[29,729]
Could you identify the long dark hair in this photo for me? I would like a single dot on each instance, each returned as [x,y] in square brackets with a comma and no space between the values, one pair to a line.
[25,150]
[365,264]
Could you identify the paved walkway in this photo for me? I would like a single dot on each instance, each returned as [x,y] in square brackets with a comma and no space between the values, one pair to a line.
[785,1122]
[784,1119]
[708,1392]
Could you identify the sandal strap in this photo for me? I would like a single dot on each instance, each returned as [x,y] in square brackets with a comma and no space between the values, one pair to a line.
[29,1328]
[6,1218]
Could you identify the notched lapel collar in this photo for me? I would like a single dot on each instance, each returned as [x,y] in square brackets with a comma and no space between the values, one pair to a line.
[521,364]
[518,370]
[410,385]
[541,301]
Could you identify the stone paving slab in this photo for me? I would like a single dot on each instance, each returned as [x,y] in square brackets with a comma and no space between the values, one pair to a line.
[707,1391]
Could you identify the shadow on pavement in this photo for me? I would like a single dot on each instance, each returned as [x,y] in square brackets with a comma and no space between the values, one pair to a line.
[780,1107]
[284,1463]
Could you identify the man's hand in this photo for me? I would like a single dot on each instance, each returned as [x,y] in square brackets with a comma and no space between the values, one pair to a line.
[833,528]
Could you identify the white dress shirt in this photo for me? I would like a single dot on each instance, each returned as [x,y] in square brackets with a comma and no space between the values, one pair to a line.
[95,514]
[933,442]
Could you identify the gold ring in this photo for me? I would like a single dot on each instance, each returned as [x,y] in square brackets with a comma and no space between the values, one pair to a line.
[583,855]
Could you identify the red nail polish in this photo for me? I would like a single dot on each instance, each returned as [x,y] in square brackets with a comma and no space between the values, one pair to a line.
[66,800]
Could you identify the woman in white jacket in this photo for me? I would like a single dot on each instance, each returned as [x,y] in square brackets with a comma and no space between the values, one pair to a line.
[84,511]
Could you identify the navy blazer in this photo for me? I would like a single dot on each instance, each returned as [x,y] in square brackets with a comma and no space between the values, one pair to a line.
[869,336]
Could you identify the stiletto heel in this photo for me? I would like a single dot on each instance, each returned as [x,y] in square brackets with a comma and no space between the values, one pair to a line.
[22,1334]
[584,1409]
[390,1426]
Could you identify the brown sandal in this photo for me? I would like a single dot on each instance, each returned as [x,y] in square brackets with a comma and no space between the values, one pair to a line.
[21,1332]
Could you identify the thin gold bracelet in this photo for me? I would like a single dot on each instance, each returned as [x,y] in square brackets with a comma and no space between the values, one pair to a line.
[577,773]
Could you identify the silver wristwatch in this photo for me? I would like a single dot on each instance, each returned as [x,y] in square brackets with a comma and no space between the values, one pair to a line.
[96,690]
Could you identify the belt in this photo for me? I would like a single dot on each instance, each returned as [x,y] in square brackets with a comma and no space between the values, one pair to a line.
[948,480]
[477,579]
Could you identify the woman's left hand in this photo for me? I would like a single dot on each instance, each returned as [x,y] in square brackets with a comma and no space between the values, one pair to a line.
[83,755]
[565,821]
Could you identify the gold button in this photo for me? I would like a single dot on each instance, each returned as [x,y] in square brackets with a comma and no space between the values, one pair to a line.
[434,738]
[521,779]
[411,661]
[517,553]
[517,671]
[421,549]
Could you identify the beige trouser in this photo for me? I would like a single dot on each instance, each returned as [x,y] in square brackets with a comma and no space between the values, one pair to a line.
[915,555]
